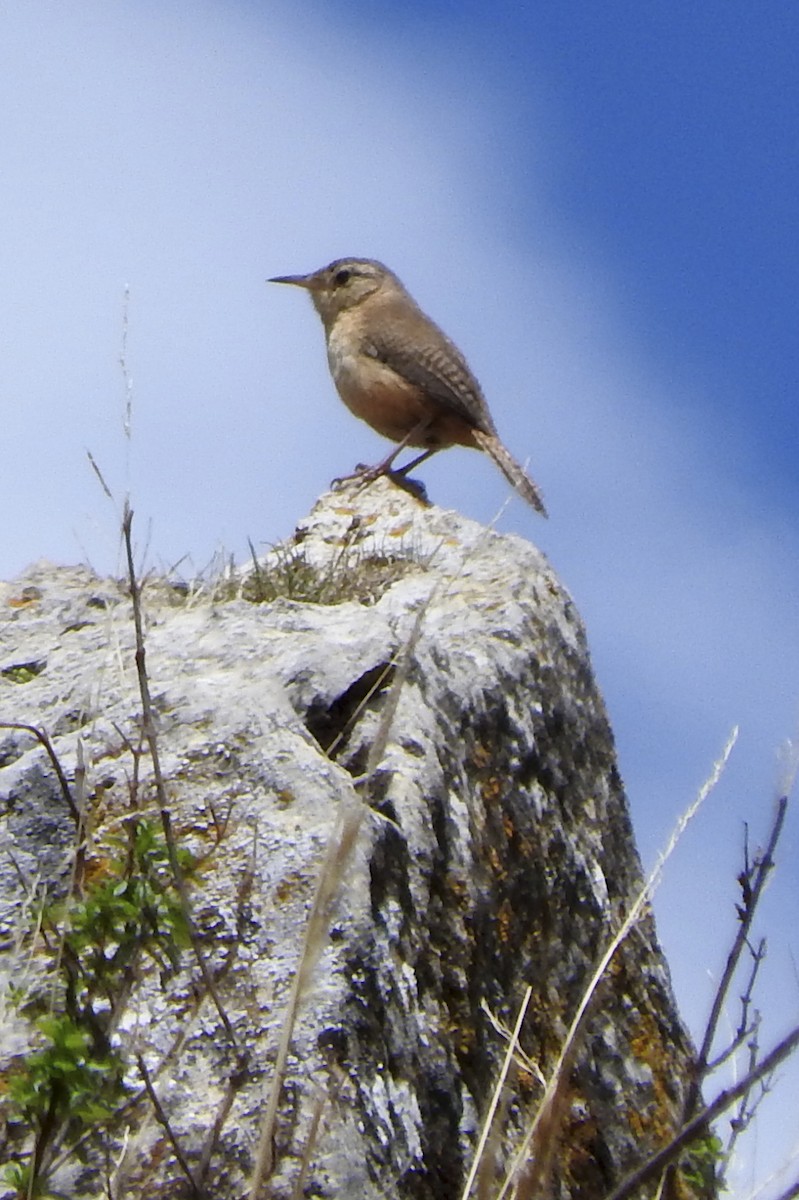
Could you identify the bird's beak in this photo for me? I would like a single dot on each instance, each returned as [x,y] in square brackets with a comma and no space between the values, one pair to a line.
[303,281]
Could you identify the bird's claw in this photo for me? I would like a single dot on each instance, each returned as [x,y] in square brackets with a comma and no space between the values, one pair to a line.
[363,475]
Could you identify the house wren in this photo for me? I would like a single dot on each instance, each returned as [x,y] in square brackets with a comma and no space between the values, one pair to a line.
[396,370]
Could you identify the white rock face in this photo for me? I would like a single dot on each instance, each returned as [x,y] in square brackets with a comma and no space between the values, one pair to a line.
[445,711]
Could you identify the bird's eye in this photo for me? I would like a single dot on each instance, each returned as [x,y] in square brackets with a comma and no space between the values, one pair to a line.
[341,277]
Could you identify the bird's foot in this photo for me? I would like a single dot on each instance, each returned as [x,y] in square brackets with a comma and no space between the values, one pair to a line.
[414,487]
[363,475]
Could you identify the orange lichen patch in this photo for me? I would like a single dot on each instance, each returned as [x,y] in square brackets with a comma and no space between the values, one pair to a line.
[579,1141]
[656,1120]
[400,530]
[481,755]
[527,1082]
[504,921]
[457,889]
[462,1036]
[491,789]
[617,968]
[508,826]
[28,596]
[636,1123]
[496,863]
[290,885]
[526,847]
[96,870]
[158,1152]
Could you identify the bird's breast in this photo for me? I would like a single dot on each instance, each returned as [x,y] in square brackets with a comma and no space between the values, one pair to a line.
[373,391]
[393,405]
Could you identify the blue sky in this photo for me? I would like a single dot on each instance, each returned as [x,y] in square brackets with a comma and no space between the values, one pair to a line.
[597,202]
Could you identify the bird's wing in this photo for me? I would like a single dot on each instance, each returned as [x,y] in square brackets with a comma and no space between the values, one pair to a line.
[437,367]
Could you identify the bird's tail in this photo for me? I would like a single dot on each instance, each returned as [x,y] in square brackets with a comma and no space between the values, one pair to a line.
[515,474]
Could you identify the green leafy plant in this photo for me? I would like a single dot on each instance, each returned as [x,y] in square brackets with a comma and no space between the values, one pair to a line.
[699,1167]
[66,1077]
[134,909]
[73,1083]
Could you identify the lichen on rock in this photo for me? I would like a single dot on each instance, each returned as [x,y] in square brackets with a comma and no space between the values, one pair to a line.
[495,853]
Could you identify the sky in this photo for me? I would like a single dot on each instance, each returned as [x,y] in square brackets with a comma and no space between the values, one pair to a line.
[597,202]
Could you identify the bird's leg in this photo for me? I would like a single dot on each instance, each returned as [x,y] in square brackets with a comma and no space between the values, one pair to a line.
[417,462]
[369,474]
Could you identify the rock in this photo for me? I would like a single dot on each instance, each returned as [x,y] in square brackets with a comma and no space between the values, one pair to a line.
[416,684]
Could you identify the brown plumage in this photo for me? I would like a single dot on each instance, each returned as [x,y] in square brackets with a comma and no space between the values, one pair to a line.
[396,370]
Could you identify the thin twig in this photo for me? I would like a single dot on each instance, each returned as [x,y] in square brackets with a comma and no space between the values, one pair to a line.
[339,851]
[578,1024]
[99,475]
[42,737]
[697,1127]
[761,871]
[79,861]
[148,724]
[234,1084]
[127,420]
[792,1193]
[163,1121]
[298,1191]
[385,675]
[497,1093]
[745,1028]
[745,1112]
[523,1061]
[741,1037]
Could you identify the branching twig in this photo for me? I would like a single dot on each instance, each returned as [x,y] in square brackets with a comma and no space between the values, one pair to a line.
[746,1111]
[234,1084]
[746,1029]
[697,1127]
[754,880]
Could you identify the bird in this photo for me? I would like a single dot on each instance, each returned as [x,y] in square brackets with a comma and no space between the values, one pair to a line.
[395,369]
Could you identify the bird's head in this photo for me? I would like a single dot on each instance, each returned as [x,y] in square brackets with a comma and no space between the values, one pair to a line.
[343,284]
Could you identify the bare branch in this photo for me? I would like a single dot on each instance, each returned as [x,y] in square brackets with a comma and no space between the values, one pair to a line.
[752,892]
[298,1191]
[697,1127]
[163,1121]
[42,737]
[151,738]
[746,1029]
